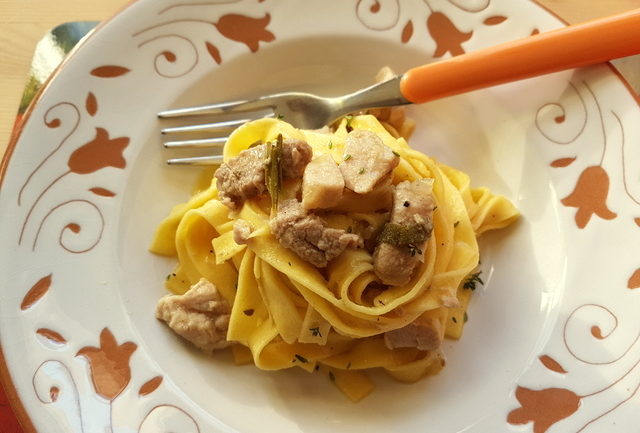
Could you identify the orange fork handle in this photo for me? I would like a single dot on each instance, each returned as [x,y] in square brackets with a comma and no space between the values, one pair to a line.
[569,47]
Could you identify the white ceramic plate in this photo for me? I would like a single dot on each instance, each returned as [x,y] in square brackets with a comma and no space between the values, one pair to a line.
[552,339]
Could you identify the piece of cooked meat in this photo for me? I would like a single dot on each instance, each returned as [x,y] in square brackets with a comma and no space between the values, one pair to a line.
[379,199]
[200,316]
[322,183]
[241,231]
[366,160]
[296,154]
[423,334]
[412,208]
[243,177]
[413,202]
[308,236]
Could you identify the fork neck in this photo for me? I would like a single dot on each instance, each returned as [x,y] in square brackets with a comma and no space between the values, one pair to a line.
[385,94]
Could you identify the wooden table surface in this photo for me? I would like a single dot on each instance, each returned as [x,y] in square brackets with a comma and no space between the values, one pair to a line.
[24,22]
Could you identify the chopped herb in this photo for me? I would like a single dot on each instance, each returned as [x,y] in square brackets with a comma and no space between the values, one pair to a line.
[454,319]
[414,249]
[280,116]
[455,224]
[315,331]
[274,171]
[301,358]
[380,301]
[466,317]
[396,153]
[255,143]
[434,208]
[289,263]
[470,283]
[349,365]
[404,234]
[330,144]
[406,204]
[249,312]
[168,276]
[347,157]
[361,171]
[349,229]
[332,376]
[349,120]
[173,274]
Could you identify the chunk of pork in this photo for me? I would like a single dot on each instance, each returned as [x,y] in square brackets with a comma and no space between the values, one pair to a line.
[200,316]
[243,177]
[412,205]
[308,235]
[366,161]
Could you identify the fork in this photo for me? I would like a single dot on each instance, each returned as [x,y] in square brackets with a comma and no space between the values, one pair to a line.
[569,47]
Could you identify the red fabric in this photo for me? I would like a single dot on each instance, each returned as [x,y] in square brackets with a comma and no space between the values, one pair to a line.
[8,421]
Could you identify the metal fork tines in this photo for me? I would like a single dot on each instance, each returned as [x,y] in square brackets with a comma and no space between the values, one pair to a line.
[203,136]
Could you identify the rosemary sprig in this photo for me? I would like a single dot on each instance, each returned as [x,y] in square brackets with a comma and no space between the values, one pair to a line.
[274,171]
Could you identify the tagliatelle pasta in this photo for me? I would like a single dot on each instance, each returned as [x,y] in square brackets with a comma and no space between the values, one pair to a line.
[290,313]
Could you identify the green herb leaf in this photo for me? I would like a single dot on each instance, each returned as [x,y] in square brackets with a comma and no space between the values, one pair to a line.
[274,171]
[472,280]
[301,358]
[330,144]
[413,249]
[454,319]
[349,120]
[361,171]
[347,157]
[315,331]
[404,235]
[396,153]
